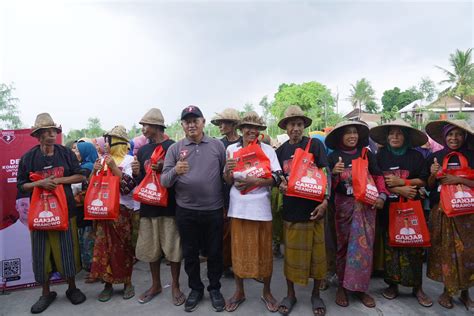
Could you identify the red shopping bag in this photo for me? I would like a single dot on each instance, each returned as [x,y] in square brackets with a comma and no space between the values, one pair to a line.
[457,199]
[102,199]
[362,182]
[251,162]
[48,209]
[306,179]
[150,191]
[407,225]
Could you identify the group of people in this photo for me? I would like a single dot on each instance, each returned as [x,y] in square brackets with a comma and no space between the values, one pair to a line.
[225,214]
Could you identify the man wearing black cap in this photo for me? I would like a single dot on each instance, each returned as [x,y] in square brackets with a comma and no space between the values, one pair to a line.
[194,166]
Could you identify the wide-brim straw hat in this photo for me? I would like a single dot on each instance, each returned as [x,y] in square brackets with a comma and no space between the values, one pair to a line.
[335,136]
[379,133]
[252,118]
[118,131]
[44,121]
[294,111]
[229,114]
[435,130]
[153,117]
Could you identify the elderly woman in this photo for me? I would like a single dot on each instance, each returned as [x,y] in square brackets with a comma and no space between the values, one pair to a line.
[52,250]
[251,216]
[113,251]
[303,219]
[87,155]
[451,258]
[402,166]
[355,221]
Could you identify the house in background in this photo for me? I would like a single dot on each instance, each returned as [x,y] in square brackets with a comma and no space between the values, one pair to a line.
[355,115]
[446,107]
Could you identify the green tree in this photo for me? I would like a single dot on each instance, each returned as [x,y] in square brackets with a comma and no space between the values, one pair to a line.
[461,78]
[361,94]
[313,98]
[372,107]
[396,98]
[134,131]
[427,88]
[9,113]
[94,128]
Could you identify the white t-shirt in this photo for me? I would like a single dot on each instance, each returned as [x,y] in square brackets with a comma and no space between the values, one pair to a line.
[255,205]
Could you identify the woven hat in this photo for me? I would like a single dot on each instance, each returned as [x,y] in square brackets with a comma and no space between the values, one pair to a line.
[118,131]
[44,121]
[435,130]
[334,136]
[228,114]
[252,118]
[153,117]
[379,133]
[294,111]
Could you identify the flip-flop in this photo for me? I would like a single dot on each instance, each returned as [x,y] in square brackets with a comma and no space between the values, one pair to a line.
[342,304]
[423,300]
[390,294]
[363,297]
[75,296]
[236,304]
[448,305]
[179,300]
[288,303]
[106,294]
[147,296]
[43,303]
[268,304]
[318,303]
[128,292]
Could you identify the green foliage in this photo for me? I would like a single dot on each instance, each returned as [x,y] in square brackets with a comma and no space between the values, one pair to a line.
[313,98]
[461,116]
[372,107]
[93,130]
[389,115]
[362,94]
[461,78]
[134,131]
[395,97]
[9,114]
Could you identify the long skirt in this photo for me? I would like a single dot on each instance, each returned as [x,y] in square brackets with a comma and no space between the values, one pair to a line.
[277,215]
[403,265]
[113,251]
[252,255]
[86,243]
[55,251]
[305,252]
[451,256]
[355,227]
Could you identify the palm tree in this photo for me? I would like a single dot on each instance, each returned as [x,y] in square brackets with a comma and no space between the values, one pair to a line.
[361,94]
[461,79]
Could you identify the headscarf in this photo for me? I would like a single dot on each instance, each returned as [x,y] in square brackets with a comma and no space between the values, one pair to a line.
[118,149]
[406,143]
[448,128]
[88,155]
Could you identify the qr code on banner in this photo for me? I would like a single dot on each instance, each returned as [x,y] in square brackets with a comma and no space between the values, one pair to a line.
[11,269]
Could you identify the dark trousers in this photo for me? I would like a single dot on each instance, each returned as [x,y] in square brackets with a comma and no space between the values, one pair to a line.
[191,224]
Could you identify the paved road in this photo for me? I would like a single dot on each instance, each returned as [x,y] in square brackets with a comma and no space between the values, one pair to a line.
[19,302]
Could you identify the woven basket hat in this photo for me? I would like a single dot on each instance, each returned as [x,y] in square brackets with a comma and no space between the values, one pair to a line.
[379,133]
[153,117]
[252,118]
[294,111]
[44,121]
[435,130]
[228,114]
[118,131]
[335,135]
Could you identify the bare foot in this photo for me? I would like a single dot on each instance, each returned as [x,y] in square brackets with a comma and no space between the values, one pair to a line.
[446,301]
[341,297]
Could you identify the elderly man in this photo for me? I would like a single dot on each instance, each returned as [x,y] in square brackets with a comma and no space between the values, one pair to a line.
[227,122]
[305,253]
[194,165]
[158,234]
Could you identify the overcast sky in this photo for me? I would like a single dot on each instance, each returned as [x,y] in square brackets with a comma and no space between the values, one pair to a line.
[115,60]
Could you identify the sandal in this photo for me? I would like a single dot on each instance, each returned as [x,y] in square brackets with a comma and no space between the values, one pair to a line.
[75,296]
[318,304]
[446,301]
[268,304]
[43,303]
[390,293]
[128,292]
[106,294]
[366,299]
[179,300]
[423,299]
[233,304]
[147,296]
[344,302]
[288,303]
